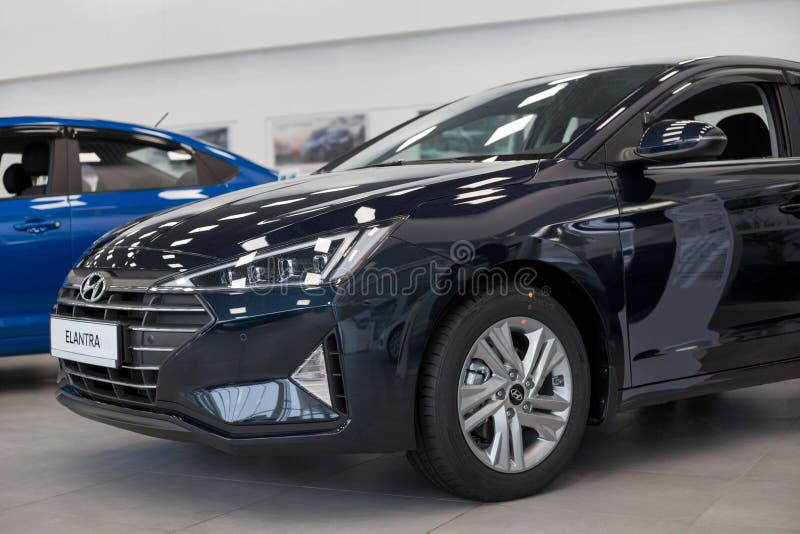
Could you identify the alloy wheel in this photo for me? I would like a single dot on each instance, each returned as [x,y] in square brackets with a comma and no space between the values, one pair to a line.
[515,394]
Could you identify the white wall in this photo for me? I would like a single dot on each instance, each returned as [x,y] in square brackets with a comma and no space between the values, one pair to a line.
[84,34]
[390,61]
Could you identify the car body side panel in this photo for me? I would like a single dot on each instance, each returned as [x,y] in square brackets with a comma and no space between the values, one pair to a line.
[33,265]
[711,267]
[565,217]
[35,234]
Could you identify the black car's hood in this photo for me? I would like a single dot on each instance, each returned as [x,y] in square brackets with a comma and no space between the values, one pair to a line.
[216,228]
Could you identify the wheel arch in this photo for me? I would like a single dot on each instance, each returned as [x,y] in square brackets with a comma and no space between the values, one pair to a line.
[565,288]
[577,287]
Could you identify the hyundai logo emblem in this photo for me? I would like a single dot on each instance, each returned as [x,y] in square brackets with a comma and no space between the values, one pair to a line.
[93,287]
[516,394]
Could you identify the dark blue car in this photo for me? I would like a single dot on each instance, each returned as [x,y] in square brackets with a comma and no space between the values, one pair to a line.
[67,182]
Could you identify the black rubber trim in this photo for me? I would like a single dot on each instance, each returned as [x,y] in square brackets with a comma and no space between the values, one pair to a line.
[174,428]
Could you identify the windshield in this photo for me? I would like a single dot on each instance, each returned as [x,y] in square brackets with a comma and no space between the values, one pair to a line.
[526,120]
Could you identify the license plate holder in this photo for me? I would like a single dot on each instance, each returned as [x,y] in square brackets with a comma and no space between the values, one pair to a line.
[86,341]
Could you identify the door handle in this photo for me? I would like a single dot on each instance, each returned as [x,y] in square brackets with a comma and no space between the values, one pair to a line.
[37,226]
[791,208]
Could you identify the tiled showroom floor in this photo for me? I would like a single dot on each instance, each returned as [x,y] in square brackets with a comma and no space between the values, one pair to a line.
[724,463]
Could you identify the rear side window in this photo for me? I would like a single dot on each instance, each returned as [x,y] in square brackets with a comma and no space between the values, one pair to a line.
[121,165]
[126,166]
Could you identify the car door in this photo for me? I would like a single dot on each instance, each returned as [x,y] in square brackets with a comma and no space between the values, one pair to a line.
[713,247]
[117,177]
[35,244]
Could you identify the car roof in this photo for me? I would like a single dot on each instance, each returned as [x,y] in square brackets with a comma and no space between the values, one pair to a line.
[714,61]
[680,62]
[735,61]
[21,121]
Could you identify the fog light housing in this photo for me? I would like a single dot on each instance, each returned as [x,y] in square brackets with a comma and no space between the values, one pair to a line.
[303,397]
[275,401]
[312,375]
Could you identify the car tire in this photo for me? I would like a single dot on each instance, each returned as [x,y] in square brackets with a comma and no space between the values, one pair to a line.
[466,461]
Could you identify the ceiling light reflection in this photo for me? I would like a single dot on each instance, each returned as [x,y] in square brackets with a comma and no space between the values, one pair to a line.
[255,244]
[482,200]
[668,75]
[479,193]
[509,129]
[246,259]
[203,228]
[475,185]
[542,95]
[364,215]
[681,88]
[403,191]
[569,78]
[283,202]
[334,189]
[611,118]
[237,216]
[414,138]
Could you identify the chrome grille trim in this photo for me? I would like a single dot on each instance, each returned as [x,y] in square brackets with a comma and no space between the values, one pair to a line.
[154,325]
[161,329]
[109,306]
[117,288]
[109,380]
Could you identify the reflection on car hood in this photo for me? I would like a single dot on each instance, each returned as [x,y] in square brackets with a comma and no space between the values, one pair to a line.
[289,210]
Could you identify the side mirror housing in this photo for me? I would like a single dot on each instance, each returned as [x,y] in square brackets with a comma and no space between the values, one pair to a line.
[681,140]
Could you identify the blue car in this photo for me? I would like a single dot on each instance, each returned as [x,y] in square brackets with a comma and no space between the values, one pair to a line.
[67,182]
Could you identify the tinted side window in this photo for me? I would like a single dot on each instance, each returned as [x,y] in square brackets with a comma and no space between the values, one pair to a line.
[25,166]
[794,119]
[742,111]
[125,166]
[7,160]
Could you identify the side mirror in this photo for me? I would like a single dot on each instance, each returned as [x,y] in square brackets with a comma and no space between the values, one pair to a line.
[681,140]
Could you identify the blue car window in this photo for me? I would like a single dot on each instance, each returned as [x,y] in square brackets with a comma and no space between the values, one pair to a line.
[126,166]
[6,161]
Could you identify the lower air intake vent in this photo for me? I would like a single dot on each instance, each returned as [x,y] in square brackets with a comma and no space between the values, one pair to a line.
[336,380]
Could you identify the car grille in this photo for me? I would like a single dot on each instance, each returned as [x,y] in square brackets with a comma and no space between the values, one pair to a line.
[155,326]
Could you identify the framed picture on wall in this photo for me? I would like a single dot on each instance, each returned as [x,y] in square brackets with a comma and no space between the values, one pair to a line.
[217,135]
[303,144]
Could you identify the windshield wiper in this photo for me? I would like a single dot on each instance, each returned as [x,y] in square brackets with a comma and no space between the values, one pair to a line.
[459,159]
[398,162]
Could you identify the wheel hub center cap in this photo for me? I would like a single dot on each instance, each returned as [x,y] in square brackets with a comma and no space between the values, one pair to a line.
[516,394]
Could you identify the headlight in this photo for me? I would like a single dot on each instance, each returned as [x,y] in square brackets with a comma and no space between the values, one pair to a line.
[324,259]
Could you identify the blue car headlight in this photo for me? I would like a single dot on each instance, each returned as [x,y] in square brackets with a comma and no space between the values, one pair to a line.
[321,260]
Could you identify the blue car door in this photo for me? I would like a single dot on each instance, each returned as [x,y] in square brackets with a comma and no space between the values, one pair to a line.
[118,177]
[35,241]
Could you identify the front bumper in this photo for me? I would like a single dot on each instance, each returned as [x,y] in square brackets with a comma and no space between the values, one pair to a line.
[234,361]
[173,427]
[256,339]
